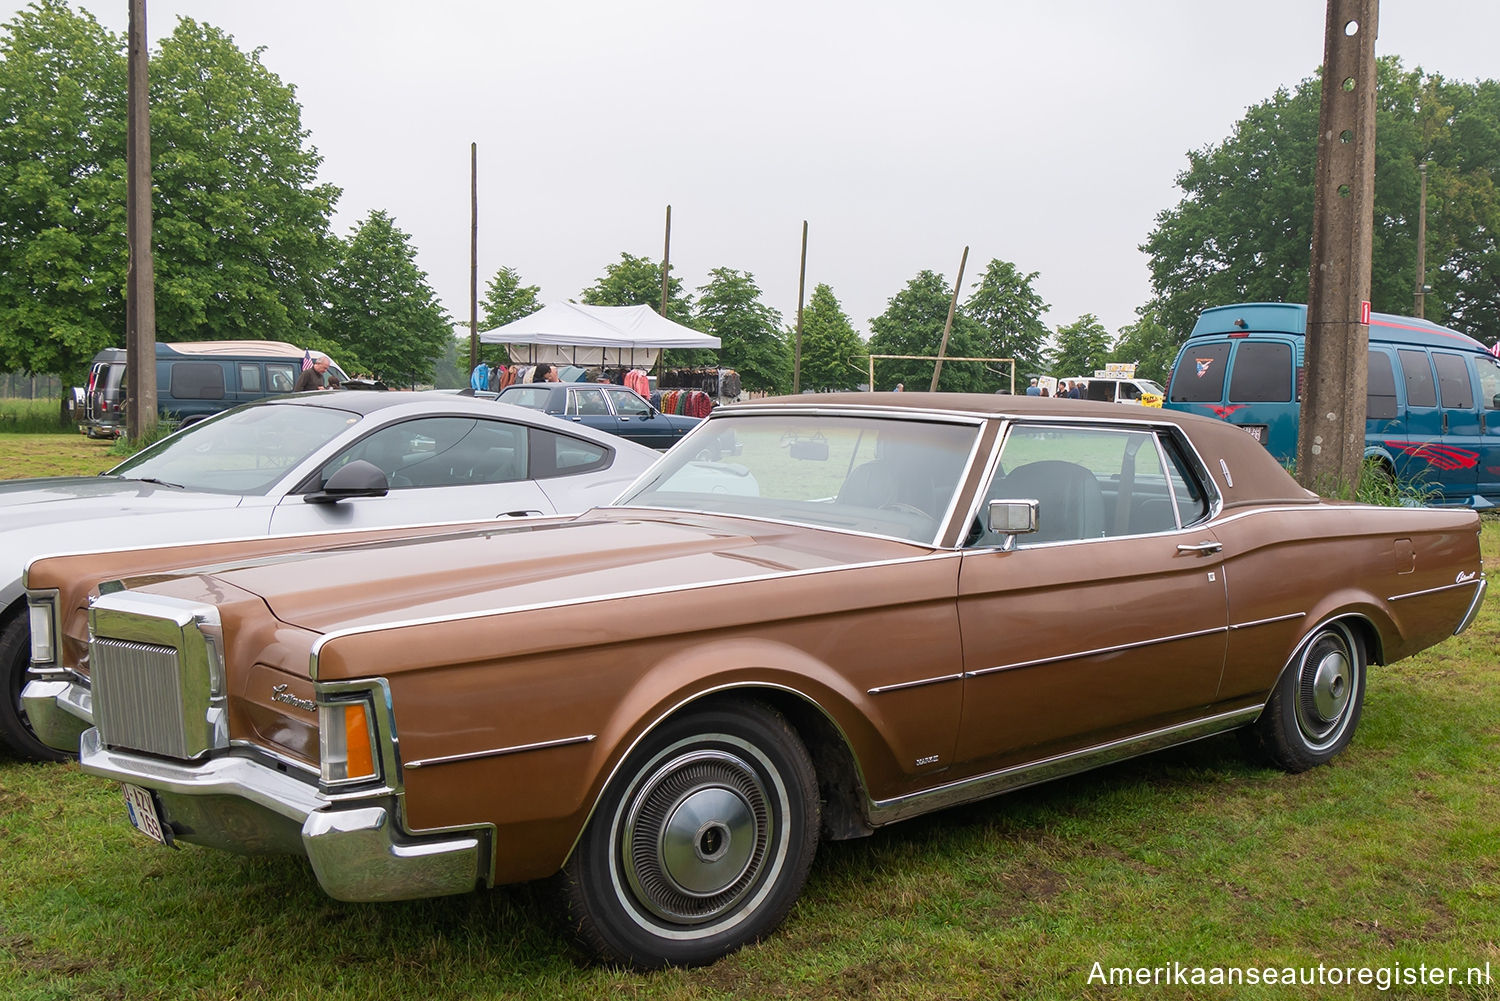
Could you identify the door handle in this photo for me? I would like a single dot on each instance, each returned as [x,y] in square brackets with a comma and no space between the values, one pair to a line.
[1201,548]
[1445,423]
[519,514]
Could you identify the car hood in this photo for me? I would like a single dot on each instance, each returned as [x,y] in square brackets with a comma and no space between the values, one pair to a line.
[30,503]
[600,554]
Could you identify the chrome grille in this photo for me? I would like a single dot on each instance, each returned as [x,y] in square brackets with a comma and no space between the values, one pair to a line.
[138,696]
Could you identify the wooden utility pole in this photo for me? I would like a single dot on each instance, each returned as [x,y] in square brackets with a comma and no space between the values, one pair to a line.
[473,256]
[1331,442]
[140,285]
[797,342]
[937,369]
[1421,304]
[666,262]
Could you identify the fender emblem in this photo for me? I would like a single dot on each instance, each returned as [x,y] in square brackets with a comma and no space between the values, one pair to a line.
[280,694]
[1464,576]
[930,759]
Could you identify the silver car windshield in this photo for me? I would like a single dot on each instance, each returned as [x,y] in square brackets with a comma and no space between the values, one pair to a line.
[239,452]
[882,476]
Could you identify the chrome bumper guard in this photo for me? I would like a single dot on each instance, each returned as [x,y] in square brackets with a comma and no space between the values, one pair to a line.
[59,711]
[243,805]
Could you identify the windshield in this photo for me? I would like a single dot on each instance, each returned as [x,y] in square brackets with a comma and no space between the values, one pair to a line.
[243,451]
[879,475]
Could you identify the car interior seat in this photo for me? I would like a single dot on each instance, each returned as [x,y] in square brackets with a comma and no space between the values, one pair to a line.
[871,484]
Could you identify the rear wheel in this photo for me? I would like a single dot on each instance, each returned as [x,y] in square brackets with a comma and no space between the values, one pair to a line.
[16,735]
[701,843]
[1316,704]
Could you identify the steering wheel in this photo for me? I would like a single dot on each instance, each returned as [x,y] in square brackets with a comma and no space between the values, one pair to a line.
[904,508]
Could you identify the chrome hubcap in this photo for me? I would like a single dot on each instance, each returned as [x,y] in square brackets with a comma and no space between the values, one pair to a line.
[696,836]
[1331,686]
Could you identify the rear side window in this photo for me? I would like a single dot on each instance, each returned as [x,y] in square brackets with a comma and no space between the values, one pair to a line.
[533,398]
[281,377]
[1262,373]
[1420,390]
[1454,387]
[1380,397]
[554,454]
[1199,377]
[1489,382]
[197,380]
[249,378]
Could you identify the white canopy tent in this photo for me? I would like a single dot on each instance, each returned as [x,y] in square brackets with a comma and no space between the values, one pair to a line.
[569,333]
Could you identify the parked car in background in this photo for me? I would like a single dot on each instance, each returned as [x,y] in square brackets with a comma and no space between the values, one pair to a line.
[1432,409]
[195,379]
[313,462]
[879,606]
[603,407]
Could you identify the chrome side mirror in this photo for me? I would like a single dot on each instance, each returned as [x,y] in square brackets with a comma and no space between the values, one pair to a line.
[1011,518]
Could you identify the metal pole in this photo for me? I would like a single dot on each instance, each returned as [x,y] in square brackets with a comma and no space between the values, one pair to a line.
[797,343]
[140,287]
[937,369]
[1331,439]
[666,261]
[473,256]
[1421,306]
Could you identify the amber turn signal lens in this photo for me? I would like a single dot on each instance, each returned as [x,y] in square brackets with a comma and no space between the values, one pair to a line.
[359,757]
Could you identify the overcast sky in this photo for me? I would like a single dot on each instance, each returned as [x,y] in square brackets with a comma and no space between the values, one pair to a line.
[1045,134]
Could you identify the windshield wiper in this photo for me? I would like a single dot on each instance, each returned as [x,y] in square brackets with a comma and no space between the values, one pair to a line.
[152,479]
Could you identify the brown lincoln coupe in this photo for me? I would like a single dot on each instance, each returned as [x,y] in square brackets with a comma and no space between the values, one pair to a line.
[813,617]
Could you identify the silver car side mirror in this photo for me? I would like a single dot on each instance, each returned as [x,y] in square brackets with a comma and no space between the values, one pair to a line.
[1011,518]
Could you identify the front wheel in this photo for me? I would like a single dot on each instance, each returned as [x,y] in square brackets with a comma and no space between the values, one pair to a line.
[701,843]
[1315,707]
[16,735]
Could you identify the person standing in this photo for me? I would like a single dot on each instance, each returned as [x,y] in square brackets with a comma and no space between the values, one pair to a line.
[1033,389]
[312,376]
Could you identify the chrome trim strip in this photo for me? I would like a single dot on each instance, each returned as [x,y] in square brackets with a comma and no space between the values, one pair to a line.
[1473,611]
[1267,622]
[1019,776]
[901,687]
[331,635]
[540,745]
[1433,590]
[1094,653]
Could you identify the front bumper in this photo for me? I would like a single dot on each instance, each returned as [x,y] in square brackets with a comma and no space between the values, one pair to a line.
[58,711]
[241,804]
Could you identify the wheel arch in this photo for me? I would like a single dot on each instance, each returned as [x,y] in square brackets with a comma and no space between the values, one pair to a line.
[841,784]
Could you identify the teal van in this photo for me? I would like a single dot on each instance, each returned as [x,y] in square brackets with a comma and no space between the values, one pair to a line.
[1432,410]
[194,380]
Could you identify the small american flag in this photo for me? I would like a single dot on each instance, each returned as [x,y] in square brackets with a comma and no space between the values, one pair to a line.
[306,360]
[1496,349]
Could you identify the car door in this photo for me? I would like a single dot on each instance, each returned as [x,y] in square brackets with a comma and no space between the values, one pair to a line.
[439,468]
[1111,619]
[639,421]
[1488,481]
[1413,452]
[587,406]
[1455,457]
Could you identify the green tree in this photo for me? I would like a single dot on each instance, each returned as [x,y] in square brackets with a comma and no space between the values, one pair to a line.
[1080,347]
[912,324]
[749,331]
[1243,229]
[241,231]
[833,355]
[1009,312]
[636,281]
[506,299]
[62,191]
[1150,344]
[383,314]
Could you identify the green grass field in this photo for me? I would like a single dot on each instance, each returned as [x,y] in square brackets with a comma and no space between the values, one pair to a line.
[1391,855]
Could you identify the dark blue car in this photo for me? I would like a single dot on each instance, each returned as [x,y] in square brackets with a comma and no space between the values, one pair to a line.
[604,407]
